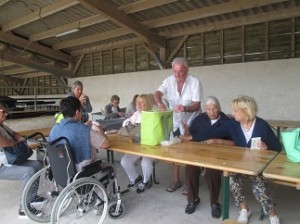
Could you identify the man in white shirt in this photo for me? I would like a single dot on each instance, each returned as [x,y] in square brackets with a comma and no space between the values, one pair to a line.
[184,93]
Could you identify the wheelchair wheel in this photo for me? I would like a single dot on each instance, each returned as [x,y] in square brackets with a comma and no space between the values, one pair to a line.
[43,185]
[86,201]
[114,212]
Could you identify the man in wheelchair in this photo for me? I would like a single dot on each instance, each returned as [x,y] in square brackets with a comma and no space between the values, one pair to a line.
[84,140]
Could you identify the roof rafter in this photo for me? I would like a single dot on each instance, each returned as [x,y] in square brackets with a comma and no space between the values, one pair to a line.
[130,8]
[43,12]
[209,11]
[214,10]
[241,21]
[124,20]
[35,47]
[8,56]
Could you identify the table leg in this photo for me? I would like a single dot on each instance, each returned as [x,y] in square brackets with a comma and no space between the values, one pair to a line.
[225,195]
[110,156]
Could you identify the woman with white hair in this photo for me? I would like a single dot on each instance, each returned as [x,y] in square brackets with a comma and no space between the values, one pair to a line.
[211,119]
[243,128]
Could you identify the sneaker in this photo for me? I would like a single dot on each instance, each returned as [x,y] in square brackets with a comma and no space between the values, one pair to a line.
[34,211]
[274,219]
[21,213]
[138,180]
[38,202]
[244,216]
[141,187]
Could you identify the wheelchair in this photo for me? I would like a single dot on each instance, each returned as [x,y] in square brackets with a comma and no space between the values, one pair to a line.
[72,197]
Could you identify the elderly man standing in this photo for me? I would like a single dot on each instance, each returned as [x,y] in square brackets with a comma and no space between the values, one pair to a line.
[184,94]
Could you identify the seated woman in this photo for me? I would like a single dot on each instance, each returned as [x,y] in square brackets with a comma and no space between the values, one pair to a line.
[207,121]
[245,126]
[131,108]
[86,107]
[112,110]
[143,103]
[23,171]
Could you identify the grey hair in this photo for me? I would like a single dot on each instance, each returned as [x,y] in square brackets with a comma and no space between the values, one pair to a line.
[213,100]
[179,61]
[77,83]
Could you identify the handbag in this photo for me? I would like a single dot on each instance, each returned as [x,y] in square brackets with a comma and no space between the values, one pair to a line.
[17,153]
[156,126]
[291,142]
[132,130]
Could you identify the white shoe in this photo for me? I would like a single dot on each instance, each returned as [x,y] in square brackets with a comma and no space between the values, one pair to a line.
[274,219]
[244,216]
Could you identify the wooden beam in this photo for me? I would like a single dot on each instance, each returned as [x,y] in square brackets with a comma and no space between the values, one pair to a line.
[240,21]
[70,26]
[116,44]
[86,22]
[208,11]
[91,39]
[124,20]
[293,38]
[151,51]
[78,64]
[143,5]
[35,47]
[2,2]
[13,80]
[35,65]
[4,64]
[41,13]
[266,41]
[177,48]
[198,13]
[18,71]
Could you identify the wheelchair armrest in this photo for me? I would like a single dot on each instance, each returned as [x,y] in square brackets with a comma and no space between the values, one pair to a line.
[35,136]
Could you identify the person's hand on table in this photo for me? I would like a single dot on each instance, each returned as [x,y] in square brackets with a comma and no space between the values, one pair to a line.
[262,145]
[121,114]
[186,138]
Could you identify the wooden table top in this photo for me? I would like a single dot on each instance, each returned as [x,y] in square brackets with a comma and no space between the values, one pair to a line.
[44,131]
[282,169]
[284,123]
[220,157]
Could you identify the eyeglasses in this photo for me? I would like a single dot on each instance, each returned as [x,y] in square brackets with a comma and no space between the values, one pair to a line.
[4,111]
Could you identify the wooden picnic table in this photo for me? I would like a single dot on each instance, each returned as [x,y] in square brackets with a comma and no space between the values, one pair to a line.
[284,171]
[225,158]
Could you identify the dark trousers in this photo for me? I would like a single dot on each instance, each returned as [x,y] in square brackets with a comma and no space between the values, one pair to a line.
[213,180]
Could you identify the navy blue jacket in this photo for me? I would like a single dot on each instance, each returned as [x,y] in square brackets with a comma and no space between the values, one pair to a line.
[202,124]
[233,128]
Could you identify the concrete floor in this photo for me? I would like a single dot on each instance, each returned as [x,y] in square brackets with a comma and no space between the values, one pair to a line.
[158,206]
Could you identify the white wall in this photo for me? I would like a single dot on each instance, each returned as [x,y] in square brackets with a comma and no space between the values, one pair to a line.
[274,84]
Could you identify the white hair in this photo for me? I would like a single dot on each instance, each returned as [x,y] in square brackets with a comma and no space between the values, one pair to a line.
[213,100]
[179,61]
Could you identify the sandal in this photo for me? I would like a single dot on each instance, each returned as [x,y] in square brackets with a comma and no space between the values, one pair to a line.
[173,187]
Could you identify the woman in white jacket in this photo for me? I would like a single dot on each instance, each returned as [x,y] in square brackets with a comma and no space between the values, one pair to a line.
[143,102]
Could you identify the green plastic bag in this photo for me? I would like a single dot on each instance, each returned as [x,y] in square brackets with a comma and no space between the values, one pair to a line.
[291,142]
[156,126]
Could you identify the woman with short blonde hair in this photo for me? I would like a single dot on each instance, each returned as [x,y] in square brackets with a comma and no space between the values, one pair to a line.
[144,102]
[243,128]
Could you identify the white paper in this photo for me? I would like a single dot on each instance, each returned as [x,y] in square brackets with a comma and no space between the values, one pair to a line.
[255,142]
